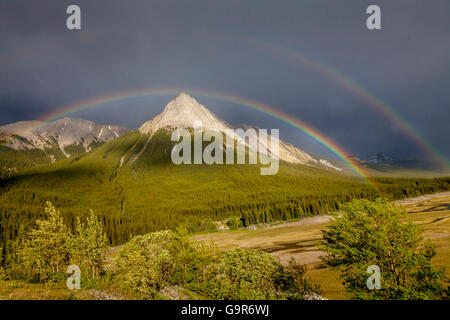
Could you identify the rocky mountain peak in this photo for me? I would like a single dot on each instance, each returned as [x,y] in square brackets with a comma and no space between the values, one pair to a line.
[183,112]
[184,104]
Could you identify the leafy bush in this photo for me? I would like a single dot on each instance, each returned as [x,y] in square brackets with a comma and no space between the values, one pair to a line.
[150,262]
[195,224]
[234,223]
[2,265]
[297,284]
[248,274]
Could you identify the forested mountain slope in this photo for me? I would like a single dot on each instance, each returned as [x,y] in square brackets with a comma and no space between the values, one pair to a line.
[138,195]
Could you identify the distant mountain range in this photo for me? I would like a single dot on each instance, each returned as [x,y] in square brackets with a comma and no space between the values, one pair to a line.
[26,144]
[26,135]
[385,163]
[382,158]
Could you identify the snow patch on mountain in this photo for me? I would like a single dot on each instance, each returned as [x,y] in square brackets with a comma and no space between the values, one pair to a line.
[328,164]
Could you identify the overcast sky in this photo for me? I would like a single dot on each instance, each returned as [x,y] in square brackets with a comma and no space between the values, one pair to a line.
[234,46]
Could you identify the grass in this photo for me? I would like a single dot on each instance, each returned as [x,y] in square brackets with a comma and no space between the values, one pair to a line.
[434,216]
[18,290]
[100,289]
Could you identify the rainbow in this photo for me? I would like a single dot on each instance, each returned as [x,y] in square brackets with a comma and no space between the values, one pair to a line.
[328,72]
[351,85]
[252,104]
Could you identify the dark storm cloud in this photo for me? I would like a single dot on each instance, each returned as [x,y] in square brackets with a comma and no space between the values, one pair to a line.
[212,45]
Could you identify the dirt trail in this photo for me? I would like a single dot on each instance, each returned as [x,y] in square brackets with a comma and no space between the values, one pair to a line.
[303,222]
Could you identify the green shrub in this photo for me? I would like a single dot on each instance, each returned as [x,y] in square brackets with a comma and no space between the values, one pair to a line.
[296,284]
[247,274]
[373,233]
[234,223]
[195,224]
[150,262]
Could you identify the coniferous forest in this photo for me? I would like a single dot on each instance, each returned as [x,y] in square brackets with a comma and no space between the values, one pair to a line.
[151,194]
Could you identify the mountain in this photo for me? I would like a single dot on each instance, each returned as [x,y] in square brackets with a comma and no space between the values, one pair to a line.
[26,135]
[28,143]
[382,158]
[383,164]
[184,111]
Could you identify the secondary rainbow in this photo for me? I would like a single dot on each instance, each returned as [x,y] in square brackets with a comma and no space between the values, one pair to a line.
[349,84]
[252,104]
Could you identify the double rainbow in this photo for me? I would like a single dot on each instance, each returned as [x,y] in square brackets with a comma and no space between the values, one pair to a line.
[297,59]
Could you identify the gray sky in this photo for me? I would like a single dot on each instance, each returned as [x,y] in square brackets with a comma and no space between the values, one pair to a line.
[232,47]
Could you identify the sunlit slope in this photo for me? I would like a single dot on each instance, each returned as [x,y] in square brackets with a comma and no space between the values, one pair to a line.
[133,186]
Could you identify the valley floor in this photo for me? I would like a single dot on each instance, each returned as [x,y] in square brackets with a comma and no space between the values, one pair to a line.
[299,239]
